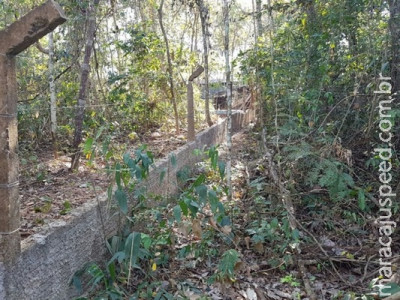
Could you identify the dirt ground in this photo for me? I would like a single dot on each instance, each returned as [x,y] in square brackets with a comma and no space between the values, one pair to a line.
[49,190]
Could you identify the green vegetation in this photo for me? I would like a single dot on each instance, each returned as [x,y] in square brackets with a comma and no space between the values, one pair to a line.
[306,178]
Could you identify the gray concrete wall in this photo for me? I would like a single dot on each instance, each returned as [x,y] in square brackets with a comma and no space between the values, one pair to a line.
[50,258]
[2,290]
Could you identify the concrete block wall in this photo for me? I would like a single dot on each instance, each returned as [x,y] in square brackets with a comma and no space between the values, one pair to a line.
[50,258]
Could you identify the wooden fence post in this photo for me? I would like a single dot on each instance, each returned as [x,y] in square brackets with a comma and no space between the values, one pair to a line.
[14,39]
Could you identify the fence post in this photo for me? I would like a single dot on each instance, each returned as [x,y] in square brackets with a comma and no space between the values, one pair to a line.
[14,39]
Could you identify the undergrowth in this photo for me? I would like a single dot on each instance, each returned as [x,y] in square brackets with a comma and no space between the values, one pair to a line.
[198,232]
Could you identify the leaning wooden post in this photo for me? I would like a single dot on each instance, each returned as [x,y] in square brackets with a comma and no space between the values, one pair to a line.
[14,39]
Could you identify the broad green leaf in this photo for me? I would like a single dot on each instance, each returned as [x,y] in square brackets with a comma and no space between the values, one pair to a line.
[221,168]
[120,195]
[138,173]
[201,191]
[226,221]
[213,200]
[126,157]
[132,247]
[178,213]
[194,207]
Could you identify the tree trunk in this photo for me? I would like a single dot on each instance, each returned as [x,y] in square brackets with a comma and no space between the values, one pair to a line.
[229,100]
[170,70]
[52,88]
[204,28]
[259,18]
[85,70]
[258,85]
[191,135]
[53,97]
[312,28]
[394,27]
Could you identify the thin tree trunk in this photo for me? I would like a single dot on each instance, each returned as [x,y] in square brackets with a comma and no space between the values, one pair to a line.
[259,18]
[116,32]
[85,70]
[258,31]
[52,89]
[170,70]
[204,28]
[191,134]
[53,97]
[229,100]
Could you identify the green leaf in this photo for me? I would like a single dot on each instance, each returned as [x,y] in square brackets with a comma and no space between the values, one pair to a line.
[274,223]
[184,207]
[159,295]
[183,174]
[120,256]
[97,274]
[201,191]
[87,148]
[77,283]
[361,200]
[221,168]
[147,241]
[199,180]
[295,234]
[226,221]
[112,271]
[132,247]
[173,159]
[194,207]
[132,167]
[120,195]
[99,132]
[126,158]
[118,175]
[213,200]
[104,149]
[197,152]
[226,267]
[213,155]
[138,173]
[390,288]
[177,213]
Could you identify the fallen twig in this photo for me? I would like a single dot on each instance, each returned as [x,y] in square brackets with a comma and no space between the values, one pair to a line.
[307,284]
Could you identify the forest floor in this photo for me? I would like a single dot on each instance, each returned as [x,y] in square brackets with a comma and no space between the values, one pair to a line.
[264,271]
[335,261]
[49,190]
